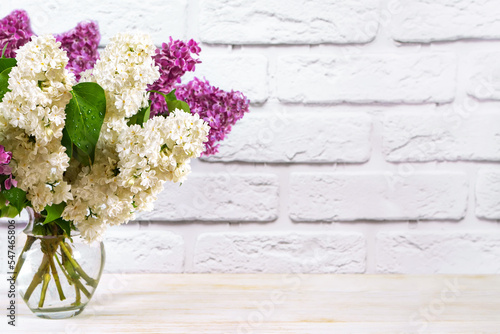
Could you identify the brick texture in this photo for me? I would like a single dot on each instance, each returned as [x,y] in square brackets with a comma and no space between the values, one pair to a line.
[488,194]
[438,252]
[276,252]
[377,196]
[363,111]
[246,73]
[415,78]
[298,137]
[144,251]
[218,197]
[445,20]
[113,16]
[483,71]
[299,22]
[427,136]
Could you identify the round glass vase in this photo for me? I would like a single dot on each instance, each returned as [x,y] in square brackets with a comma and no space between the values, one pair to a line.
[56,275]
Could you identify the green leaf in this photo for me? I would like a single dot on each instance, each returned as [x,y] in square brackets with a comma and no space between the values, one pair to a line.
[6,63]
[9,212]
[54,212]
[81,156]
[4,48]
[16,198]
[141,117]
[64,225]
[66,142]
[172,102]
[4,82]
[39,229]
[3,200]
[170,96]
[84,117]
[178,104]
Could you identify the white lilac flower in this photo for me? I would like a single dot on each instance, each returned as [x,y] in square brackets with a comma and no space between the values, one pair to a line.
[111,191]
[40,89]
[124,71]
[131,163]
[32,116]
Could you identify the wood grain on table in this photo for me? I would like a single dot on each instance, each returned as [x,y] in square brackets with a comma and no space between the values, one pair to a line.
[279,303]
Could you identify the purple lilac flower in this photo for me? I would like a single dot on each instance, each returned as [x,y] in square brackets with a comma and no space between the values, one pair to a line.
[15,30]
[174,59]
[10,182]
[4,156]
[5,168]
[81,45]
[4,161]
[219,108]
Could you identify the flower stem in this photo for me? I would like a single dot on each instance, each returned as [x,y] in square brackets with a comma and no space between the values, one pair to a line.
[46,279]
[37,278]
[90,281]
[56,277]
[82,288]
[70,281]
[63,270]
[73,276]
[78,296]
[20,261]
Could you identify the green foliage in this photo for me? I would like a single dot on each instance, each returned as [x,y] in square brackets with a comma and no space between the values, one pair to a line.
[66,142]
[141,117]
[4,48]
[4,81]
[16,198]
[53,221]
[65,226]
[178,104]
[172,102]
[6,210]
[53,212]
[84,117]
[40,229]
[6,63]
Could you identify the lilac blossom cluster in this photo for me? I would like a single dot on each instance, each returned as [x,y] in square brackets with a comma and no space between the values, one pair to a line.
[15,31]
[219,108]
[174,59]
[5,169]
[81,45]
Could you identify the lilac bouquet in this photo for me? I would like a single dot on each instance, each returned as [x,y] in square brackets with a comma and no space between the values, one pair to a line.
[219,108]
[88,139]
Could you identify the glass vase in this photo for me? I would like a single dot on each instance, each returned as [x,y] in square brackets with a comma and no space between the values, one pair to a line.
[57,275]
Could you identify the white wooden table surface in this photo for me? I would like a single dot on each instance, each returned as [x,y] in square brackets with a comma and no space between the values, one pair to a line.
[293,303]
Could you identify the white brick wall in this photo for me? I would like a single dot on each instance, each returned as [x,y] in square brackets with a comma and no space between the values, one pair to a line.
[113,16]
[218,197]
[273,137]
[144,251]
[372,146]
[488,194]
[440,252]
[445,20]
[296,22]
[280,252]
[430,135]
[484,75]
[377,196]
[246,72]
[367,78]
